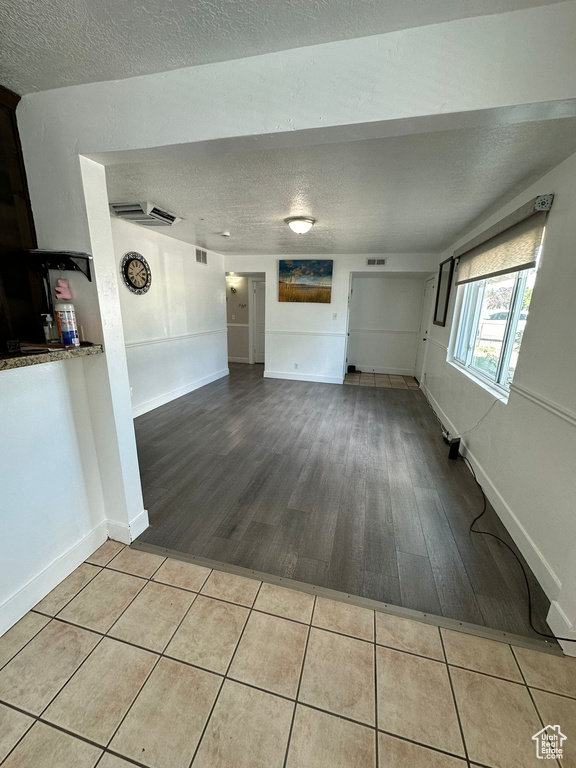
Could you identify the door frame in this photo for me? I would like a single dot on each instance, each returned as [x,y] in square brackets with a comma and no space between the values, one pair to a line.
[429,280]
[347,334]
[252,318]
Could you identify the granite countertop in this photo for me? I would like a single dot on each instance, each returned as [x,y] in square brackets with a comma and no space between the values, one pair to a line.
[21,361]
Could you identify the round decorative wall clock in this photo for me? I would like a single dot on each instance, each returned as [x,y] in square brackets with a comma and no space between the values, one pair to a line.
[136,273]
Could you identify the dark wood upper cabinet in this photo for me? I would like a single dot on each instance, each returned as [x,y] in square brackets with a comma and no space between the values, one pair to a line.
[21,293]
[16,222]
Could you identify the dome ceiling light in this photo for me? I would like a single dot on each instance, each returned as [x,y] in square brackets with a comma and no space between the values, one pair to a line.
[300,224]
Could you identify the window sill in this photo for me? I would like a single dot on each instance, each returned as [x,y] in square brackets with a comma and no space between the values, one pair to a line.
[495,391]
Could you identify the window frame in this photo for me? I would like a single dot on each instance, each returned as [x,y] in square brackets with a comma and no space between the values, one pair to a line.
[467,322]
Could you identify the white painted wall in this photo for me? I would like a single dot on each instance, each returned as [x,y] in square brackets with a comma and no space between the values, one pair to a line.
[430,75]
[52,512]
[313,336]
[383,327]
[525,450]
[175,334]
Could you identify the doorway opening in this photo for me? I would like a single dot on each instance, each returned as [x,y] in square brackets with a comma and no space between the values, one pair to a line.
[385,313]
[246,317]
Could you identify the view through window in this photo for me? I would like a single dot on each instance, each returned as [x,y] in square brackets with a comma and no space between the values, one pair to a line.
[492,322]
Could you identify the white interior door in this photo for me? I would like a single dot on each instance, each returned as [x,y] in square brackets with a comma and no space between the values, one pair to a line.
[259,321]
[425,320]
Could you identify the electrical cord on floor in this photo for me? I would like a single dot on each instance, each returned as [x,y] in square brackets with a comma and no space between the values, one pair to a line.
[494,536]
[487,533]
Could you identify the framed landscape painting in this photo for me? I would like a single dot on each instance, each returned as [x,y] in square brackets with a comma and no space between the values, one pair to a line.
[443,291]
[308,280]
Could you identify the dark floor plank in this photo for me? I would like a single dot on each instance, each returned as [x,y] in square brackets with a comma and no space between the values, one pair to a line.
[284,550]
[382,587]
[379,538]
[417,587]
[346,572]
[408,532]
[322,504]
[455,592]
[311,571]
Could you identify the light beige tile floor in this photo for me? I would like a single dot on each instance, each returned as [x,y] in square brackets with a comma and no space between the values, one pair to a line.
[137,660]
[344,618]
[385,380]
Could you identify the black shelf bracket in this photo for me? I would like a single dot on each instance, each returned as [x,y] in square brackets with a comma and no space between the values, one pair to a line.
[75,261]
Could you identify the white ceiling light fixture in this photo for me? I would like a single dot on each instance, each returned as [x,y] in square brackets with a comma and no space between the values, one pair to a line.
[300,224]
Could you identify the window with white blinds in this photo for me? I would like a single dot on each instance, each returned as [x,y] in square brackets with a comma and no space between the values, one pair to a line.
[513,250]
[496,275]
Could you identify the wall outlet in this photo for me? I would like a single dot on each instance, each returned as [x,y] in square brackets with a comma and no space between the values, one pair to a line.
[295,366]
[233,317]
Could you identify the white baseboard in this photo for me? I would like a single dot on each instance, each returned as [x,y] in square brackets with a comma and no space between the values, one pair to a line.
[436,407]
[127,533]
[38,586]
[562,627]
[541,568]
[156,402]
[303,377]
[239,360]
[393,371]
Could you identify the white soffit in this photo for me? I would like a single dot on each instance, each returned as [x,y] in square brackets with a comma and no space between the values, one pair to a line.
[405,194]
[55,43]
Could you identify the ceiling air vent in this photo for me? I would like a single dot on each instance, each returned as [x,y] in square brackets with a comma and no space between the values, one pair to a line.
[144,213]
[201,256]
[375,262]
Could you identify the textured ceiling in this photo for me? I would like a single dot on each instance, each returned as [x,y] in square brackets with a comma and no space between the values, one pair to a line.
[403,194]
[52,43]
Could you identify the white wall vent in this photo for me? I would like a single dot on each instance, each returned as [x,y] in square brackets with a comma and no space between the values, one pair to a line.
[201,256]
[147,214]
[375,262]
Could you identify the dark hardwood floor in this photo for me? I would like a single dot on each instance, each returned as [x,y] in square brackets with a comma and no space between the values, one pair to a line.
[343,487]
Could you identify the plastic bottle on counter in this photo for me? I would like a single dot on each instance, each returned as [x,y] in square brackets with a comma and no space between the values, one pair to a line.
[67,327]
[50,329]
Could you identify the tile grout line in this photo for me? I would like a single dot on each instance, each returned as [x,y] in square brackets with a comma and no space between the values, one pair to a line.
[531,695]
[486,674]
[552,693]
[26,732]
[101,568]
[425,746]
[129,760]
[59,691]
[104,635]
[224,678]
[467,756]
[38,718]
[289,741]
[160,656]
[57,615]
[29,641]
